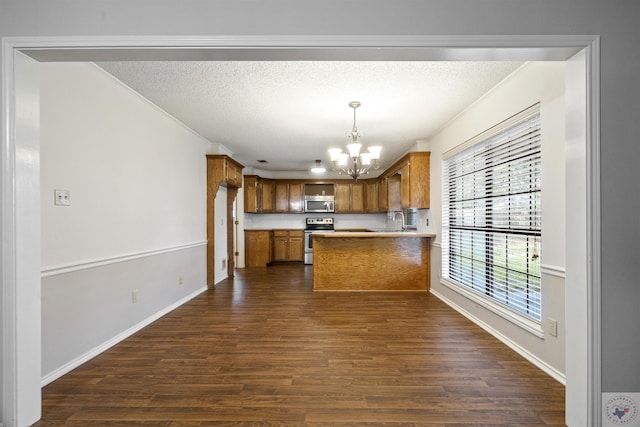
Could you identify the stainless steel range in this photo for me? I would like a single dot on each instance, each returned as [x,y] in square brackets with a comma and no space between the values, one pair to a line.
[315,225]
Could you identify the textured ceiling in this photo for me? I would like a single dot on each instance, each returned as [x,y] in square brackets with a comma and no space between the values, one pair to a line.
[290,112]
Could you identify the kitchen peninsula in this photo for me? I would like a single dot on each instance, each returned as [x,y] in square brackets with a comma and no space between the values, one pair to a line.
[371,261]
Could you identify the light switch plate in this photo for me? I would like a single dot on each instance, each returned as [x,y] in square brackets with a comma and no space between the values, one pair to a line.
[61,197]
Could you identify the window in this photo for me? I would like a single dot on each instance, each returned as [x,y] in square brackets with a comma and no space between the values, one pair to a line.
[492,215]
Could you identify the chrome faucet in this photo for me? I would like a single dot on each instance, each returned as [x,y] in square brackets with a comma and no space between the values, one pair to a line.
[403,226]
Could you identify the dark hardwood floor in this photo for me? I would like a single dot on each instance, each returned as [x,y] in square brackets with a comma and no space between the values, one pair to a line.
[264,350]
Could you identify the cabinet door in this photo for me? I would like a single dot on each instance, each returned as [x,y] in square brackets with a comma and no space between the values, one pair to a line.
[383,195]
[371,193]
[393,191]
[296,194]
[280,245]
[257,248]
[267,196]
[250,194]
[405,186]
[280,248]
[420,180]
[282,197]
[296,246]
[357,197]
[250,249]
[342,197]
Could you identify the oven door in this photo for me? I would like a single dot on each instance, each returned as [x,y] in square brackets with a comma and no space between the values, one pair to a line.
[308,247]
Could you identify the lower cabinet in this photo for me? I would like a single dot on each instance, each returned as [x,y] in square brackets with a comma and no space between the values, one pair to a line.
[257,248]
[288,245]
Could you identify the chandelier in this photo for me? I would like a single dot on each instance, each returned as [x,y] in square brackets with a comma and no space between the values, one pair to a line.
[354,163]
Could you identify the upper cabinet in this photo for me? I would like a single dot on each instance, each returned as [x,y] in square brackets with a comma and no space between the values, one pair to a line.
[289,197]
[266,199]
[251,193]
[383,194]
[258,194]
[408,181]
[403,185]
[372,198]
[224,171]
[349,197]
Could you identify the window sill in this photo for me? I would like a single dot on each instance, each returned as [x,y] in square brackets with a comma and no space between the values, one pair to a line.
[529,325]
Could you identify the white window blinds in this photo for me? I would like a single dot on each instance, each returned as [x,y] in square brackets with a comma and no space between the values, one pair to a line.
[491,214]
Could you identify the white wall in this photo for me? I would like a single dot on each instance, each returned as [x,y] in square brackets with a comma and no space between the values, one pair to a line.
[136,223]
[543,82]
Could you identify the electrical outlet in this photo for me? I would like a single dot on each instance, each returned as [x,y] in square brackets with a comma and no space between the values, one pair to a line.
[553,327]
[134,297]
[180,280]
[61,197]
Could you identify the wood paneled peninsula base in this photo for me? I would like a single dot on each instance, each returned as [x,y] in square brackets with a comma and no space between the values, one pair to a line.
[371,261]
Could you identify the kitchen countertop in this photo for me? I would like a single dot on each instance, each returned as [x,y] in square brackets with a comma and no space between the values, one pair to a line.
[373,233]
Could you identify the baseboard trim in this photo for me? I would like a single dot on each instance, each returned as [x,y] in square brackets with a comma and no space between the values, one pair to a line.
[68,367]
[550,370]
[69,268]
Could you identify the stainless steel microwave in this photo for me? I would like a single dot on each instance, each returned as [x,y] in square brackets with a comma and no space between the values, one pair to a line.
[318,203]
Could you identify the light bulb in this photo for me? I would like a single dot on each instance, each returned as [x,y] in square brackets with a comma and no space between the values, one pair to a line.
[375,152]
[335,154]
[365,158]
[354,150]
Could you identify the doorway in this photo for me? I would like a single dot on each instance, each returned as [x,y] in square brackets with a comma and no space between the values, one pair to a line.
[20,196]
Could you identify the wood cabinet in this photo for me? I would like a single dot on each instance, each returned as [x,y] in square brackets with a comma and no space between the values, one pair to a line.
[383,195]
[233,174]
[250,193]
[258,194]
[377,262]
[288,245]
[403,185]
[288,197]
[266,195]
[394,192]
[257,247]
[349,197]
[224,171]
[296,197]
[371,190]
[408,181]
